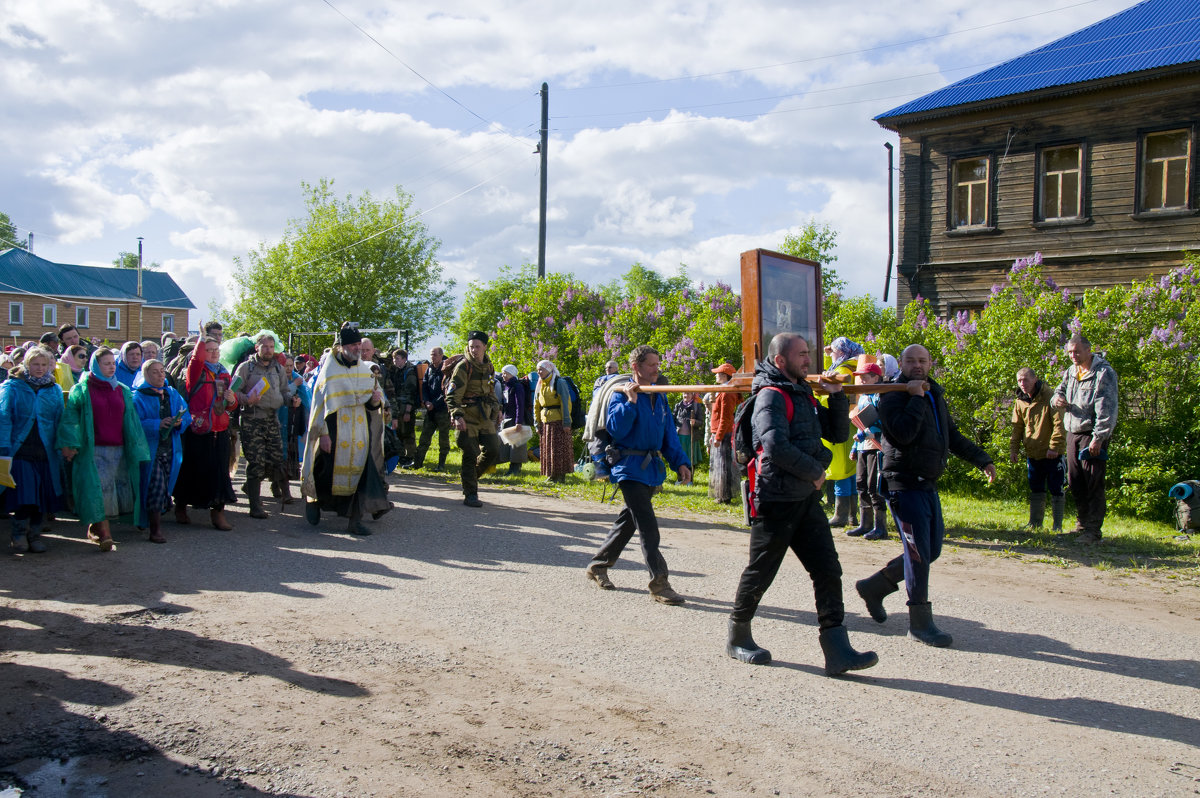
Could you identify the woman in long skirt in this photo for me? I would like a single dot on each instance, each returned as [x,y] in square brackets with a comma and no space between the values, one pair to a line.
[31,406]
[101,436]
[552,411]
[204,475]
[164,415]
[723,476]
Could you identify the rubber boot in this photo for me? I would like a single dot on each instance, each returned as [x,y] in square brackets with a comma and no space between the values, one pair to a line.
[217,517]
[880,531]
[741,645]
[20,535]
[841,512]
[662,592]
[156,535]
[868,522]
[312,512]
[1037,511]
[252,488]
[853,511]
[874,589]
[839,656]
[921,626]
[1057,503]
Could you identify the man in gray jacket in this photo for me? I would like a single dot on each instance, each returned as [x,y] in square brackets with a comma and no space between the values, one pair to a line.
[788,426]
[1088,397]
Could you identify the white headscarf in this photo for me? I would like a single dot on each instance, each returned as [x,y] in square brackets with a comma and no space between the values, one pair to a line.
[891,369]
[548,366]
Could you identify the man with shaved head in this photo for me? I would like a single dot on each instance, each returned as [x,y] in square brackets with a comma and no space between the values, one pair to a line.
[918,438]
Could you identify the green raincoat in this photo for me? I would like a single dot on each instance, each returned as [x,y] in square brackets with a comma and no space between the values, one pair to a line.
[76,431]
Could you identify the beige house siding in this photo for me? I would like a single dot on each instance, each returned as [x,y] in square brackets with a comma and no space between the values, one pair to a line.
[136,322]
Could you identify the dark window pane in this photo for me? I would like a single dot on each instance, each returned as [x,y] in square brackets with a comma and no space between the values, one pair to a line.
[1167,145]
[1070,194]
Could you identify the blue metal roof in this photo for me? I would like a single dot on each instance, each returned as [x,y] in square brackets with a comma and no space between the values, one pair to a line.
[1151,35]
[25,273]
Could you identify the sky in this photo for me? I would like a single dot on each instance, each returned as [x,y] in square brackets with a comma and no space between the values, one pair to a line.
[680,132]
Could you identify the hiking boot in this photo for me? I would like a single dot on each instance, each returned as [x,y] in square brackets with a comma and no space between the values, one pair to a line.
[1088,537]
[741,646]
[472,500]
[868,522]
[599,574]
[921,626]
[840,656]
[662,592]
[874,589]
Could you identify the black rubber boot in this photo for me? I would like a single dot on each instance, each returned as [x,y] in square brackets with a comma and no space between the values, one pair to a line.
[874,589]
[741,645]
[1057,503]
[841,512]
[252,489]
[1037,512]
[921,626]
[880,531]
[839,656]
[868,522]
[312,512]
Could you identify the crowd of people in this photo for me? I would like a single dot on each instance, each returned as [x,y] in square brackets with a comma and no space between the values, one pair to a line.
[153,427]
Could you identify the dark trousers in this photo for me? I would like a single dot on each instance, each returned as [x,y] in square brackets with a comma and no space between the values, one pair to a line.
[918,517]
[637,515]
[475,461]
[1086,478]
[867,481]
[406,432]
[1045,475]
[803,528]
[435,421]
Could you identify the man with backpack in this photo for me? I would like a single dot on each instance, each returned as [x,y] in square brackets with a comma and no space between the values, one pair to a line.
[642,431]
[403,391]
[475,413]
[788,426]
[262,388]
[437,416]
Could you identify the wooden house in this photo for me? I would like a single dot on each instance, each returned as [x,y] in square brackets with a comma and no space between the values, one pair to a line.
[1083,150]
[39,296]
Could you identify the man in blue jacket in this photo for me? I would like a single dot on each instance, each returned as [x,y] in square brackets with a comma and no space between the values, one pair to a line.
[918,438]
[643,434]
[789,425]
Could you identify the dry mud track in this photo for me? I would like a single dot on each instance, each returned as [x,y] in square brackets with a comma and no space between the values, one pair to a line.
[461,651]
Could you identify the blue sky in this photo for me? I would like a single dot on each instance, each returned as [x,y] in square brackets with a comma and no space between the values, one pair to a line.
[680,132]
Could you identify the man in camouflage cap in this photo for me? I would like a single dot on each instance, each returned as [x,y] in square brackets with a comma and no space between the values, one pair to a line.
[475,413]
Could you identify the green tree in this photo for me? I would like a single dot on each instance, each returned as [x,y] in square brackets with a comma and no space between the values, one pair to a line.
[8,233]
[483,304]
[817,242]
[357,259]
[129,260]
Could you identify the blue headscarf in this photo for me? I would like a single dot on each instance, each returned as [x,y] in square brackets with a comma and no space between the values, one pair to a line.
[94,370]
[843,350]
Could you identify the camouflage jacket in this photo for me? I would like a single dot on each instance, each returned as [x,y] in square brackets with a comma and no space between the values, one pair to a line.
[470,395]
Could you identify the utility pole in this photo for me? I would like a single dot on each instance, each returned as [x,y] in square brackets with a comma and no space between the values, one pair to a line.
[141,332]
[542,208]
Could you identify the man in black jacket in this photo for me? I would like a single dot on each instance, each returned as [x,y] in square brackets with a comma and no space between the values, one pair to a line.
[918,438]
[788,427]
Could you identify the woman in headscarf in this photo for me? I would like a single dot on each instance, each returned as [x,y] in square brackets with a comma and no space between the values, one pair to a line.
[204,474]
[723,478]
[69,367]
[31,407]
[101,437]
[129,363]
[552,412]
[843,354]
[164,416]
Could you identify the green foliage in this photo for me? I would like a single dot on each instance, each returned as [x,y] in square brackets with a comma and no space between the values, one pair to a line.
[361,260]
[817,242]
[562,319]
[129,260]
[8,234]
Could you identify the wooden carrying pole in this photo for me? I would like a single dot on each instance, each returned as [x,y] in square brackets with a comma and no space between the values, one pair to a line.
[740,383]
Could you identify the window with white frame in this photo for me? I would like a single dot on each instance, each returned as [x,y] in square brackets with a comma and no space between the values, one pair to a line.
[16,313]
[970,181]
[168,322]
[114,318]
[1166,170]
[82,317]
[49,315]
[1061,182]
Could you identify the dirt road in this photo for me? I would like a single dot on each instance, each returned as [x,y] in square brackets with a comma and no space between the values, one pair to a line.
[460,652]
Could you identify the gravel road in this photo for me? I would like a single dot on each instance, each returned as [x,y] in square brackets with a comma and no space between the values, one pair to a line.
[461,651]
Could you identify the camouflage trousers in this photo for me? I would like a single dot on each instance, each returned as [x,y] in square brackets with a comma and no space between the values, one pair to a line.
[260,447]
